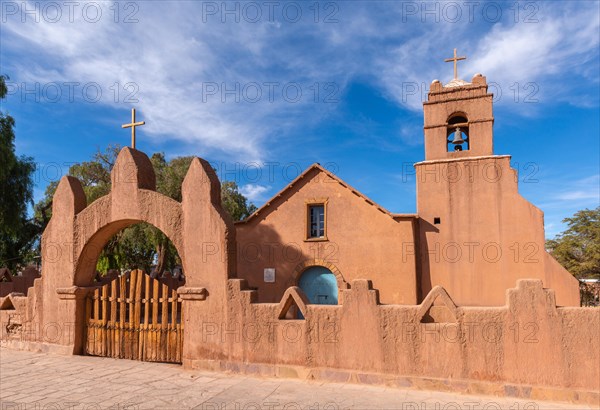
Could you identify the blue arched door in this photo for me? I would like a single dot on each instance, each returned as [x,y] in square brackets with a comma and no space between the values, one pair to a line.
[320,286]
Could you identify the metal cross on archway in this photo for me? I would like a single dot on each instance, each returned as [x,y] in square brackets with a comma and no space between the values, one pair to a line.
[132,125]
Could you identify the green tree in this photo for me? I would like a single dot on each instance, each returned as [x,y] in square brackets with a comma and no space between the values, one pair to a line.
[578,247]
[17,232]
[94,176]
[140,245]
[235,202]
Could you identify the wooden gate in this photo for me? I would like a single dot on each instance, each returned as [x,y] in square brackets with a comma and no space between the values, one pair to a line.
[135,317]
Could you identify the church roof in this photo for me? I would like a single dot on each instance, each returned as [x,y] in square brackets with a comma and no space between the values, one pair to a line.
[318,167]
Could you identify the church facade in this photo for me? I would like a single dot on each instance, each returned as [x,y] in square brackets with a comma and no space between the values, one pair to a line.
[321,283]
[473,233]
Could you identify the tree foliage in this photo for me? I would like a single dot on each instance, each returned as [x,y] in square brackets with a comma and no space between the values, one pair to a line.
[578,247]
[142,245]
[17,232]
[234,202]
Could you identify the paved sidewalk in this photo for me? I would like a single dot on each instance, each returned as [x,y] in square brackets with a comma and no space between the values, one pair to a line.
[43,381]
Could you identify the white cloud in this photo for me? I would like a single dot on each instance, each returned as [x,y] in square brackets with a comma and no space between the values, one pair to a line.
[172,59]
[582,190]
[254,192]
[563,196]
[560,45]
[578,195]
[171,55]
[558,53]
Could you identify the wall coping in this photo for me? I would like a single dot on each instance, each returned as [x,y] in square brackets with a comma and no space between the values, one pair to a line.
[462,159]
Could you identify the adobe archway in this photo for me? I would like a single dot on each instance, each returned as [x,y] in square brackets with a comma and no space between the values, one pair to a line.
[199,228]
[95,242]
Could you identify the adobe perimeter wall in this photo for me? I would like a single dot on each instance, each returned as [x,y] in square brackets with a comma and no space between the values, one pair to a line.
[17,283]
[526,344]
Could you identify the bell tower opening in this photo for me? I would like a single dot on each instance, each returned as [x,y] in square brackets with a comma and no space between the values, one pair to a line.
[457,133]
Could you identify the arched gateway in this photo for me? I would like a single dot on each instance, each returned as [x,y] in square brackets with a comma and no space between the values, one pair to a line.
[199,228]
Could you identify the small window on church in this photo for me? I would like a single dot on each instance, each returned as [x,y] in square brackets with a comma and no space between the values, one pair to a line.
[316,221]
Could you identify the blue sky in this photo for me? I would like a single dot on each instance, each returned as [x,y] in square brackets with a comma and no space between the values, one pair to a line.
[264,89]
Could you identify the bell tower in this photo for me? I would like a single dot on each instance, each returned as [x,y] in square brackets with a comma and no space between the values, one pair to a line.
[477,234]
[458,118]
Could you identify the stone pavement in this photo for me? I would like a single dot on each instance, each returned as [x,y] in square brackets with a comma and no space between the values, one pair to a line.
[44,381]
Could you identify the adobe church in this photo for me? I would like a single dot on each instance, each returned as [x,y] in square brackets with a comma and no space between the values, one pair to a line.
[473,233]
[461,296]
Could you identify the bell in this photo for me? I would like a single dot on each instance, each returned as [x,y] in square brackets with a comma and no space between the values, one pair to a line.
[458,137]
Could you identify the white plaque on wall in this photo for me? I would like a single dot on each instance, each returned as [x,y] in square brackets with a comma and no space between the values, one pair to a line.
[269,275]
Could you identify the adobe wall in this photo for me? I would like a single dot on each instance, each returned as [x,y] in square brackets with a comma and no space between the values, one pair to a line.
[528,342]
[362,242]
[526,348]
[17,283]
[488,237]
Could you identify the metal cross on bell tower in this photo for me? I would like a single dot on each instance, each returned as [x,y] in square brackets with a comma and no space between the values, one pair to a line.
[455,59]
[132,125]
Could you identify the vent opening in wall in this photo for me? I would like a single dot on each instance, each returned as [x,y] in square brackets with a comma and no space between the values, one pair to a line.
[437,220]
